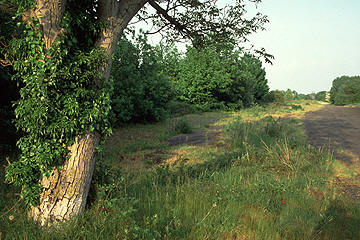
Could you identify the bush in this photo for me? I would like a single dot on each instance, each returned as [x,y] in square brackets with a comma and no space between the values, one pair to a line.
[345,90]
[348,92]
[321,96]
[202,79]
[181,125]
[141,93]
[178,108]
[277,96]
[289,95]
[221,78]
[297,107]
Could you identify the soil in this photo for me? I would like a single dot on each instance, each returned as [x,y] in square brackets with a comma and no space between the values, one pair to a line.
[197,138]
[337,129]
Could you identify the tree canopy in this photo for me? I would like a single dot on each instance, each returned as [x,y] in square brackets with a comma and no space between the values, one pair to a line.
[345,90]
[61,52]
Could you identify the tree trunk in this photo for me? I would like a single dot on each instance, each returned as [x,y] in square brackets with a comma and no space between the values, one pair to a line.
[65,191]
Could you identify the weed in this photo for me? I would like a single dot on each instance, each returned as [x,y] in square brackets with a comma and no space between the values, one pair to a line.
[181,125]
[297,107]
[263,182]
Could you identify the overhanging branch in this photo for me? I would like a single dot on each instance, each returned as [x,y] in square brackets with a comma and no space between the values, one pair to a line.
[180,27]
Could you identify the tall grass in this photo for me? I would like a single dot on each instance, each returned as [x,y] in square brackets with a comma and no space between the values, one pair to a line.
[265,182]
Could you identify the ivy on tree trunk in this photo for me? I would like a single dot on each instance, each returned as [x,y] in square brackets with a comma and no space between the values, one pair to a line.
[61,52]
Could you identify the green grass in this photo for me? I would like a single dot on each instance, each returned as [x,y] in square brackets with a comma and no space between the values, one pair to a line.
[262,181]
[354,105]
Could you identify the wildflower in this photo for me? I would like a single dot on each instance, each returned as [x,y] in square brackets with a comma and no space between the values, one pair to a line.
[283,201]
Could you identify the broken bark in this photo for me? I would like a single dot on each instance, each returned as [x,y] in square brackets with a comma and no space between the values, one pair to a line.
[65,191]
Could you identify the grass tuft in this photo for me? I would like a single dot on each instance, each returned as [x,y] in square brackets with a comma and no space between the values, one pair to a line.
[260,181]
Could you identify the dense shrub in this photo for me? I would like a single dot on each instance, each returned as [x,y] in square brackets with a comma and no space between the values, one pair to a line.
[321,96]
[249,85]
[277,96]
[345,90]
[141,92]
[302,96]
[178,108]
[218,77]
[203,80]
[168,57]
[289,95]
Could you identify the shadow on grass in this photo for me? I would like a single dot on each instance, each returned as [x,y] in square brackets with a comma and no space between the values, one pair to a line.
[340,221]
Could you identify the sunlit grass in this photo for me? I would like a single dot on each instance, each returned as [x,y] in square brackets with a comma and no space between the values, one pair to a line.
[260,180]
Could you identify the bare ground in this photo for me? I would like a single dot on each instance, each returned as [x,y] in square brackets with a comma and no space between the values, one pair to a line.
[197,138]
[337,129]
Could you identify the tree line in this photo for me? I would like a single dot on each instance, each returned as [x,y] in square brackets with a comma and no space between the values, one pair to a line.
[345,90]
[150,82]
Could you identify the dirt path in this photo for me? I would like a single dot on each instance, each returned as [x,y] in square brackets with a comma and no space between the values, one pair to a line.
[197,138]
[338,128]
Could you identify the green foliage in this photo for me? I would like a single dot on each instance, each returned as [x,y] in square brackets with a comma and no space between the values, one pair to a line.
[345,90]
[321,96]
[218,77]
[178,108]
[63,95]
[168,57]
[336,85]
[249,84]
[141,90]
[202,79]
[277,96]
[289,95]
[297,107]
[181,125]
[302,96]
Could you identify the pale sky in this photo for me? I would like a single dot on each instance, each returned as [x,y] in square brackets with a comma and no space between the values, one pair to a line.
[313,41]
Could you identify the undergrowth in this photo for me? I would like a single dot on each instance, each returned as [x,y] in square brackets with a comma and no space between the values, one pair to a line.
[264,182]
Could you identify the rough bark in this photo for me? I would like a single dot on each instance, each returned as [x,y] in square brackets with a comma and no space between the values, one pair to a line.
[49,13]
[65,191]
[118,16]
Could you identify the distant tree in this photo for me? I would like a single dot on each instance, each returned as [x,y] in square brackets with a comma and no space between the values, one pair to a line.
[327,97]
[203,79]
[249,85]
[345,90]
[321,96]
[337,82]
[348,92]
[277,96]
[220,76]
[289,95]
[168,57]
[295,93]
